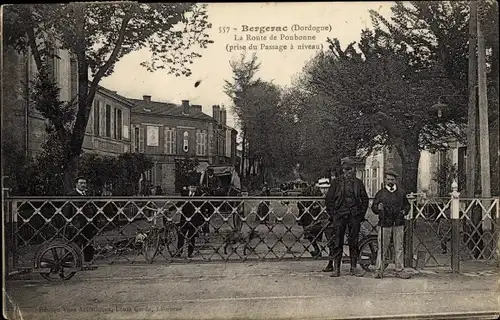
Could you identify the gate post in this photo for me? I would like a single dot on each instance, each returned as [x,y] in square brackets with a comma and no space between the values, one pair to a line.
[455,228]
[408,250]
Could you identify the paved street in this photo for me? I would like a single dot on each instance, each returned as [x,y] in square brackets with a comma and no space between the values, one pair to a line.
[266,290]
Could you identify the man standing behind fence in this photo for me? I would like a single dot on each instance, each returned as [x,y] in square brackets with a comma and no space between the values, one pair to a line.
[85,230]
[391,206]
[346,203]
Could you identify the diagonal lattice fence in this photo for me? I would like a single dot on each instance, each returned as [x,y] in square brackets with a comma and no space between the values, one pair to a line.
[176,229]
[211,229]
[432,229]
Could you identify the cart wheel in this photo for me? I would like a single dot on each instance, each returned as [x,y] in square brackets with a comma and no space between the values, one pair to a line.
[58,256]
[151,244]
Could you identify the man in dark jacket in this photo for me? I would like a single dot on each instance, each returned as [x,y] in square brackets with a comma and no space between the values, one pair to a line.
[391,206]
[84,230]
[191,221]
[346,204]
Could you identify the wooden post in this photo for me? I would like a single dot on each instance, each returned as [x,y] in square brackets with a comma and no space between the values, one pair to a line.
[471,125]
[455,228]
[484,138]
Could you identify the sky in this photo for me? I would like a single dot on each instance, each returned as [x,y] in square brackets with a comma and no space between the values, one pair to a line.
[343,20]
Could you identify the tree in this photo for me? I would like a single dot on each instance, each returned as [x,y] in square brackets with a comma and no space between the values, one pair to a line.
[123,172]
[185,171]
[98,35]
[243,77]
[378,98]
[437,32]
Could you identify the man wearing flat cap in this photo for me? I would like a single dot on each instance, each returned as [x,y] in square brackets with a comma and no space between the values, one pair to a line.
[391,206]
[346,204]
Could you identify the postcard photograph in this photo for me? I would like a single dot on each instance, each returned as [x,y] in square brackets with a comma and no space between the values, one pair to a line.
[250,160]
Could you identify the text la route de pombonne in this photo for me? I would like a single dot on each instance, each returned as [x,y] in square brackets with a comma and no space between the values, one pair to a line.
[274,33]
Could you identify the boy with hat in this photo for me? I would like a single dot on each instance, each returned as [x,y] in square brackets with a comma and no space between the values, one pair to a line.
[391,205]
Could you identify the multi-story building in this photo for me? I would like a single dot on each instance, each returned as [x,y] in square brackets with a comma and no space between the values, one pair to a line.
[108,128]
[167,132]
[163,131]
[23,125]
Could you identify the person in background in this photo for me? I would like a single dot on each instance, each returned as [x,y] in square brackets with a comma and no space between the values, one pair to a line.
[346,204]
[85,230]
[309,216]
[391,206]
[263,208]
[191,221]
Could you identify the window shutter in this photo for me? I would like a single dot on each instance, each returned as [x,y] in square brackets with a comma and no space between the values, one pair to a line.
[205,139]
[174,138]
[141,139]
[102,119]
[132,140]
[90,122]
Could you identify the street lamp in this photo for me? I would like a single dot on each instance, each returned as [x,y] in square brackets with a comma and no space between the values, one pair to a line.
[439,107]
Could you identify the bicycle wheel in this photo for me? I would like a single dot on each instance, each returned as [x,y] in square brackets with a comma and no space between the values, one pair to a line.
[170,239]
[151,244]
[58,255]
[368,250]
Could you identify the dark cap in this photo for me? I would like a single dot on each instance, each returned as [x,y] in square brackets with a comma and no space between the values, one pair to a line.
[391,173]
[347,163]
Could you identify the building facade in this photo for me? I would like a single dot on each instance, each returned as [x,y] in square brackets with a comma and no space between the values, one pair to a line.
[168,133]
[108,127]
[23,125]
[372,169]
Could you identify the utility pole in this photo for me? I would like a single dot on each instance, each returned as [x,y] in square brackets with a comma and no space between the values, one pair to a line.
[472,115]
[484,138]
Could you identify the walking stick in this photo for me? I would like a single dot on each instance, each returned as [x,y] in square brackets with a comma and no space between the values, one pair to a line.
[382,258]
[382,251]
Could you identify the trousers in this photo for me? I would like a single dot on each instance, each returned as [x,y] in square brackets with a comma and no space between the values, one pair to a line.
[352,222]
[397,233]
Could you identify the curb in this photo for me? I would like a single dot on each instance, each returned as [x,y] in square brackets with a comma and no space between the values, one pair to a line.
[436,316]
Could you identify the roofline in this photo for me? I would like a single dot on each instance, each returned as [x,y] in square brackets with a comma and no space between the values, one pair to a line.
[171,116]
[114,95]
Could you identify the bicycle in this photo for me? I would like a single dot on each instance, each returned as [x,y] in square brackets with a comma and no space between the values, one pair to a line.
[158,238]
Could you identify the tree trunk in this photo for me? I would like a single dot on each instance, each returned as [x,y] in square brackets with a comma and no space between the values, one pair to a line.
[243,155]
[74,149]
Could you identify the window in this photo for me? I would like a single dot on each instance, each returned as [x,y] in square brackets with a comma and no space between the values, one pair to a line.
[152,136]
[374,182]
[108,121]
[185,145]
[169,146]
[97,118]
[135,139]
[56,65]
[117,124]
[201,143]
[141,139]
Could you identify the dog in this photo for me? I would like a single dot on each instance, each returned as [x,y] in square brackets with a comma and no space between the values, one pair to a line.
[237,237]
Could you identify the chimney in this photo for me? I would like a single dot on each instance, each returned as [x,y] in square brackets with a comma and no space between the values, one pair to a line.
[185,106]
[216,112]
[197,107]
[224,116]
[146,98]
